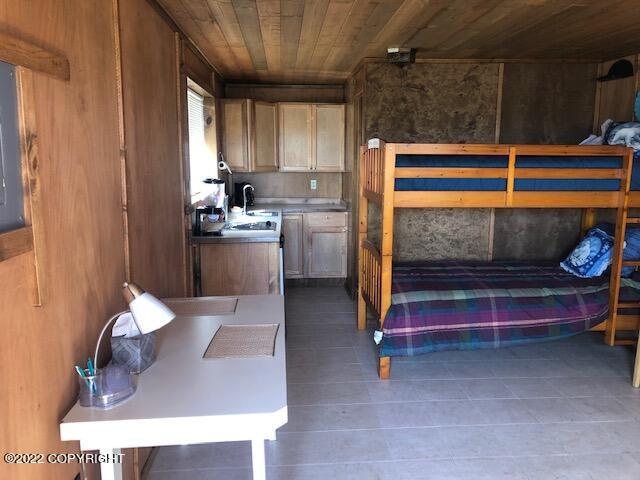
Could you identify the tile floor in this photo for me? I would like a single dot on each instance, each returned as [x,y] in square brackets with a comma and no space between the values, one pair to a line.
[557,410]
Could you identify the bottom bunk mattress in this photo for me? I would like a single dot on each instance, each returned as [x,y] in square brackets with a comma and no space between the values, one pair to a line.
[460,306]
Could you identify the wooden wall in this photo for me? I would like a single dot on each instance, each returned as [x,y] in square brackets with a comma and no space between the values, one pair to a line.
[78,127]
[153,164]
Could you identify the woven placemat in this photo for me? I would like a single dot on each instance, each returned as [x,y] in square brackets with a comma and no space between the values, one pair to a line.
[232,341]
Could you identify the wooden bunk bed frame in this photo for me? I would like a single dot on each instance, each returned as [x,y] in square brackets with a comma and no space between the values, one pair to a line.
[378,173]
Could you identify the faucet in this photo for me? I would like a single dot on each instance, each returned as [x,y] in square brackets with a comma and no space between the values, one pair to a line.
[244,197]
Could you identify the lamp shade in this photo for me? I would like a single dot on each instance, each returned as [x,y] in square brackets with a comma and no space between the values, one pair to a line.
[149,313]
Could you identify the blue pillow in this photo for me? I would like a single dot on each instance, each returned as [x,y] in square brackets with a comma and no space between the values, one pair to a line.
[592,256]
[631,244]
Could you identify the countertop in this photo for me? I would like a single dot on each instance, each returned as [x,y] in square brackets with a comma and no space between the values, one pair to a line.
[301,205]
[281,205]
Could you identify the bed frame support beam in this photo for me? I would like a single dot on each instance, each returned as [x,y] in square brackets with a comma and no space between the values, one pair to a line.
[363,226]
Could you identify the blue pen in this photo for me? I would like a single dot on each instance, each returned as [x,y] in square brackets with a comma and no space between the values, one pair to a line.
[90,383]
[92,370]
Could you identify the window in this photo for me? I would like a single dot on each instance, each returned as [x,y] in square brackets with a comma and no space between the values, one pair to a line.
[11,196]
[202,155]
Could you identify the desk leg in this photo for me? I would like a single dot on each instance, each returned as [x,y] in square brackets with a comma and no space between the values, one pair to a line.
[111,470]
[258,461]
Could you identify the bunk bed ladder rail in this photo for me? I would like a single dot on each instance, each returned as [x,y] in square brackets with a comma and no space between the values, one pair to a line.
[617,260]
[377,185]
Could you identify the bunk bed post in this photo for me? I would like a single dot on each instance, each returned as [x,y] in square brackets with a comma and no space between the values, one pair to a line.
[617,260]
[386,251]
[588,219]
[363,215]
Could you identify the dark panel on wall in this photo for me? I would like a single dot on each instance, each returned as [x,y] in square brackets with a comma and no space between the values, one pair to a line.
[535,234]
[287,93]
[543,104]
[431,103]
[547,103]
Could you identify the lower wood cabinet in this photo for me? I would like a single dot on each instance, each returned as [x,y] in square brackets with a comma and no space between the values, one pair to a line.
[239,268]
[292,225]
[315,245]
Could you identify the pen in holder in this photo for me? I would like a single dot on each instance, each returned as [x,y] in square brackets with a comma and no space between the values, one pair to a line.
[106,387]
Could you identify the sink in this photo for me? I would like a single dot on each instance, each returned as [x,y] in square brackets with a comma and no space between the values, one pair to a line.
[262,213]
[252,226]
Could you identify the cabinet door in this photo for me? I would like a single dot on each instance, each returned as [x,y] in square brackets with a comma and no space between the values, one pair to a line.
[329,138]
[326,250]
[293,249]
[239,268]
[265,137]
[295,137]
[235,135]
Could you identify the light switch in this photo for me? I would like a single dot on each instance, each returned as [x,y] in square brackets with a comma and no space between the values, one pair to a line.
[313,184]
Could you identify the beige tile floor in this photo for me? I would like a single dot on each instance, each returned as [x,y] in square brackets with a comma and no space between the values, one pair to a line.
[556,410]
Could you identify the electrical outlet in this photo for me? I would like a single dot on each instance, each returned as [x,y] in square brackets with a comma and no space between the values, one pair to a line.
[313,184]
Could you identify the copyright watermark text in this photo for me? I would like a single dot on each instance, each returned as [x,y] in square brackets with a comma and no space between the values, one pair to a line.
[30,458]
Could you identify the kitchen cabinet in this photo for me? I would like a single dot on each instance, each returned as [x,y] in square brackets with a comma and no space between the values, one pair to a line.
[292,228]
[264,137]
[329,138]
[295,136]
[250,135]
[235,118]
[239,268]
[312,137]
[325,244]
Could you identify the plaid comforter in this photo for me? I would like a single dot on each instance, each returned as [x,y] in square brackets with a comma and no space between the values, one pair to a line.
[456,306]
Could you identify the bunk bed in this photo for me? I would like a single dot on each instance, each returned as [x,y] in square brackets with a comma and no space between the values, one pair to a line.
[424,307]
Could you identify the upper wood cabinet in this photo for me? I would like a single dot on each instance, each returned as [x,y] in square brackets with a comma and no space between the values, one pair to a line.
[250,136]
[312,137]
[329,138]
[235,138]
[296,137]
[264,137]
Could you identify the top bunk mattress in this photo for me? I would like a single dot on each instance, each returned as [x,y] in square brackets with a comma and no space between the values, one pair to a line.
[520,184]
[462,305]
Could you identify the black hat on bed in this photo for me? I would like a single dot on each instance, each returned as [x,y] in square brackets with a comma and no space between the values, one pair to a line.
[620,69]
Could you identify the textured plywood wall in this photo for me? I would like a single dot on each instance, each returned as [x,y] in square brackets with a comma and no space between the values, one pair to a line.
[543,103]
[434,103]
[431,103]
[457,103]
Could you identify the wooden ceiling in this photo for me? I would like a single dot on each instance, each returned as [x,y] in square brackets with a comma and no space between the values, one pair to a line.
[322,41]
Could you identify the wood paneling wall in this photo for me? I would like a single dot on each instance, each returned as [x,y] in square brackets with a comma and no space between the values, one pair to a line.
[153,164]
[81,201]
[77,127]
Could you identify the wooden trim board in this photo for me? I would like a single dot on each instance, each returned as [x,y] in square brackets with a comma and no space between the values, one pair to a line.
[21,52]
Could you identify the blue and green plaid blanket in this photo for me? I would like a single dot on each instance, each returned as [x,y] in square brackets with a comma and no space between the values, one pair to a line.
[460,306]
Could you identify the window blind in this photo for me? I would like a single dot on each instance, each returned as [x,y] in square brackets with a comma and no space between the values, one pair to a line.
[201,165]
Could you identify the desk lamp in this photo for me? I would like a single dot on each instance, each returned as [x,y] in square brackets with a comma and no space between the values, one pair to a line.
[148,313]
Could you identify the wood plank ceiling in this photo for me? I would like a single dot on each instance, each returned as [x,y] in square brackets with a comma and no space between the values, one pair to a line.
[322,41]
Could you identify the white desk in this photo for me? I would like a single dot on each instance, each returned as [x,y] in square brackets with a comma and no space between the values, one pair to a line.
[184,399]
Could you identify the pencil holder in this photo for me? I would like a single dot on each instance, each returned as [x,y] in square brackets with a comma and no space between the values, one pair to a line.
[107,387]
